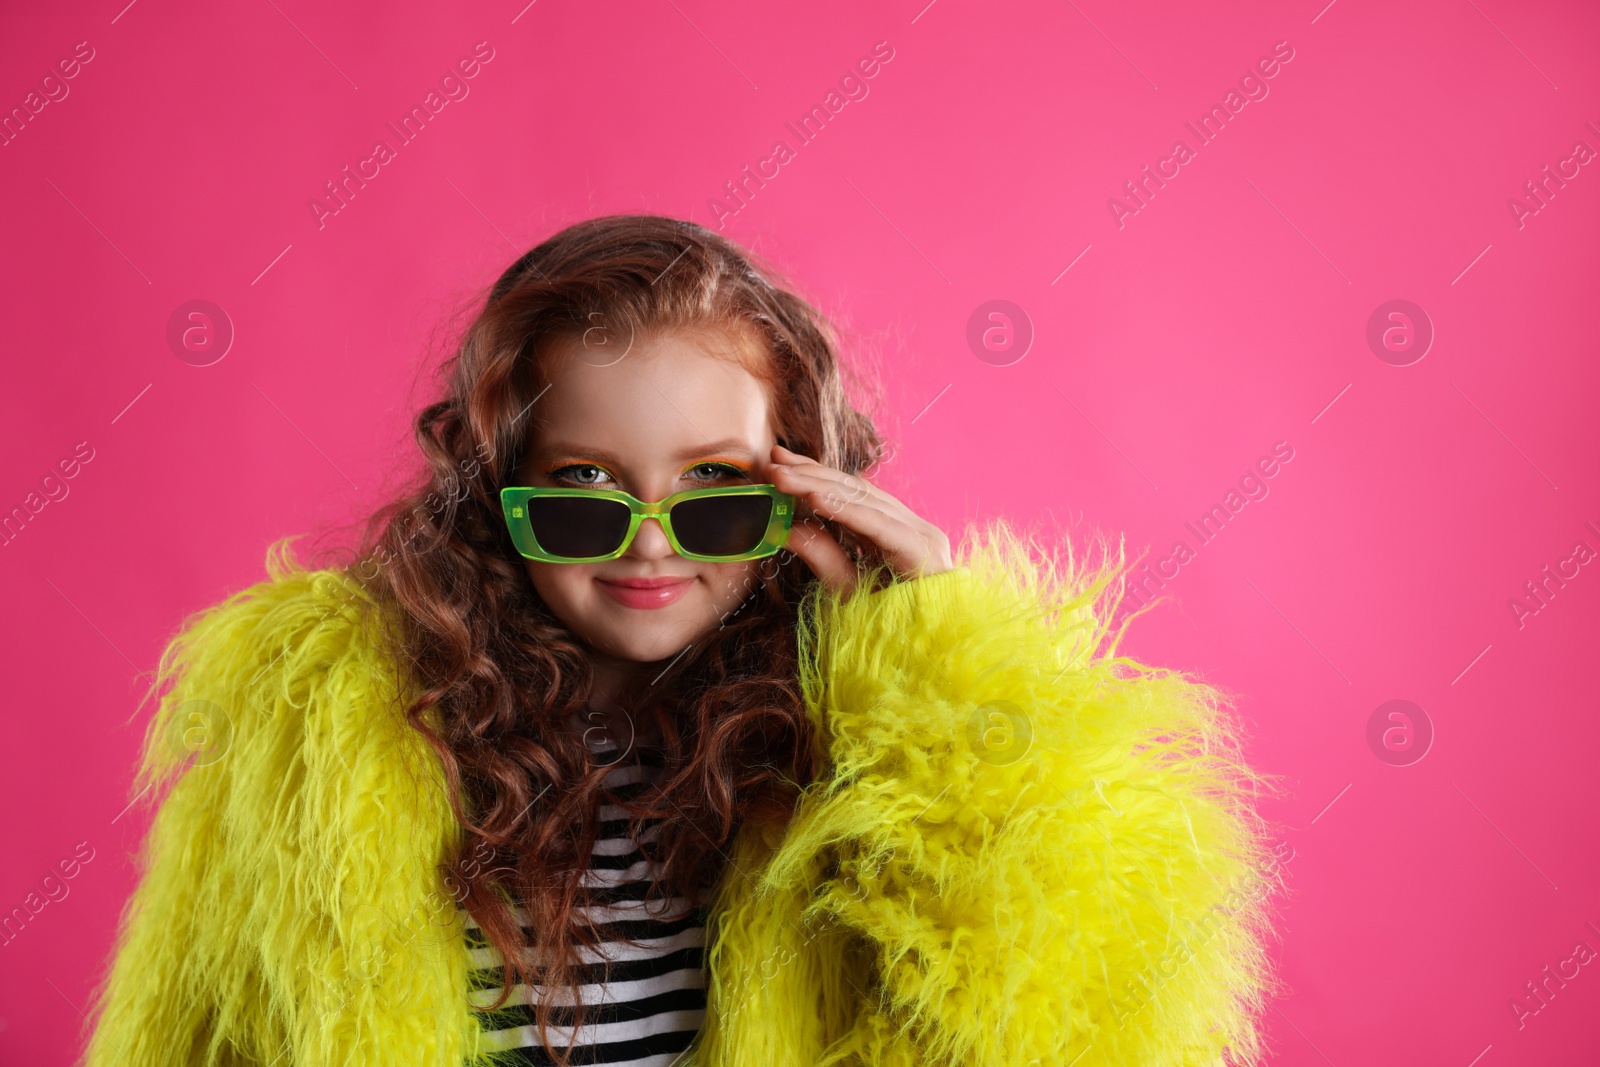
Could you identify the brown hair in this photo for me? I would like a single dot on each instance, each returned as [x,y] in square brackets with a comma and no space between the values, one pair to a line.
[500,679]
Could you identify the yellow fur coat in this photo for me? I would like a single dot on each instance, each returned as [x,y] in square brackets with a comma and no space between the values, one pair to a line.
[1026,848]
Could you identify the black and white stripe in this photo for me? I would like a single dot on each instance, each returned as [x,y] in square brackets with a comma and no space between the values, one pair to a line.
[643,1003]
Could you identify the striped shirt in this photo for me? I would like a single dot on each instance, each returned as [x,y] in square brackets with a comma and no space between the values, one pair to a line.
[643,1003]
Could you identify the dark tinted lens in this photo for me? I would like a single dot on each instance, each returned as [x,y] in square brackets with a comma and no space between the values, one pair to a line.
[577,526]
[722,525]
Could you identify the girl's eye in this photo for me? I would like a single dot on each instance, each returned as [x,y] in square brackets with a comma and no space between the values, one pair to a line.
[583,474]
[710,472]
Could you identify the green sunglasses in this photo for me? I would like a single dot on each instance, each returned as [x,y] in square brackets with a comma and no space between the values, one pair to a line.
[721,524]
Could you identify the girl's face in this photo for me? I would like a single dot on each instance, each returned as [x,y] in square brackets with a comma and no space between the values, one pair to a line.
[674,413]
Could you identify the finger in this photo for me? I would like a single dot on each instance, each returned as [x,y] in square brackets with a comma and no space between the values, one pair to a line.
[902,535]
[821,497]
[910,543]
[854,486]
[792,459]
[824,555]
[815,479]
[904,544]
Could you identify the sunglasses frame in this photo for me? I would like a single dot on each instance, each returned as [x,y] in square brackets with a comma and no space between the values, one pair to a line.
[513,501]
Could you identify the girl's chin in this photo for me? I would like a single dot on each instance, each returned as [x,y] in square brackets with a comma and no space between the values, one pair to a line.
[665,644]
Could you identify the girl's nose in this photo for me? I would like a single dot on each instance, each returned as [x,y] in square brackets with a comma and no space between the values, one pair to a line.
[650,542]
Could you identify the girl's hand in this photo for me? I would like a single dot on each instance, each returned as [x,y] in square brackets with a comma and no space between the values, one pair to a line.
[912,546]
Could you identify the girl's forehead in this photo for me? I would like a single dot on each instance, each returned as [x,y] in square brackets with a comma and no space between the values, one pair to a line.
[669,394]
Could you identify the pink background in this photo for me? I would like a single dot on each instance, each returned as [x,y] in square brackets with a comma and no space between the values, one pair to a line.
[1228,314]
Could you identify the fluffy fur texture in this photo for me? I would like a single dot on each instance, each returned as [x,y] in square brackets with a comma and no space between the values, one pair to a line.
[1027,849]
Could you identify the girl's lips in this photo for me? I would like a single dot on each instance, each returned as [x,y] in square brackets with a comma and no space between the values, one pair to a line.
[644,592]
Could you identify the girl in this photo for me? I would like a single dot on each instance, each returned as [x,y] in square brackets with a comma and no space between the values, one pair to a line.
[648,731]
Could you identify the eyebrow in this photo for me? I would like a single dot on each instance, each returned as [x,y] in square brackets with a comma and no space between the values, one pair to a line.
[566,448]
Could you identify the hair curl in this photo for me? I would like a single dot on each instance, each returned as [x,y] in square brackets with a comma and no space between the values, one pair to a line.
[501,681]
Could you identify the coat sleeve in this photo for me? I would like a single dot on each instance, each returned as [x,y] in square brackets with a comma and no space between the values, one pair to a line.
[1049,851]
[282,915]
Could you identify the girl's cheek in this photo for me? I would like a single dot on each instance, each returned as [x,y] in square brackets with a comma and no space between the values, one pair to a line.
[733,583]
[559,585]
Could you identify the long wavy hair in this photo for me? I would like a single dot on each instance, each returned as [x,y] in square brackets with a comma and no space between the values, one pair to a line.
[500,681]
